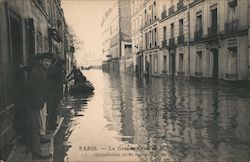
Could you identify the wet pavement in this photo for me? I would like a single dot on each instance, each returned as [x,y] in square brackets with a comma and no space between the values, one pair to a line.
[131,119]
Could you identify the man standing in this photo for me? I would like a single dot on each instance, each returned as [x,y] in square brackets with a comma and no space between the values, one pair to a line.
[36,100]
[56,78]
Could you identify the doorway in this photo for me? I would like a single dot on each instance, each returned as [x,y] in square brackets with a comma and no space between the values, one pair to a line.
[215,63]
[172,63]
[16,56]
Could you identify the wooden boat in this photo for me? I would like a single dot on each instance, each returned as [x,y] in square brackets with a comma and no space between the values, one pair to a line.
[81,88]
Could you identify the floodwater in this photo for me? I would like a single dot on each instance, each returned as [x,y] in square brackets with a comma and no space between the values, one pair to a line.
[133,119]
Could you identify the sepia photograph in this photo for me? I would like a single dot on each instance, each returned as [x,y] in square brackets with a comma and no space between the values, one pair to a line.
[124,80]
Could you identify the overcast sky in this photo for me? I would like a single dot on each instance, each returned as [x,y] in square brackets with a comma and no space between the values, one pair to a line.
[85,17]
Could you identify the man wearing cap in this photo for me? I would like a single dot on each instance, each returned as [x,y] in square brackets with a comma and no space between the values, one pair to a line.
[35,100]
[56,78]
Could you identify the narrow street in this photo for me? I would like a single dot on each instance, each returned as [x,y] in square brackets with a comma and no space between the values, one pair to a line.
[131,119]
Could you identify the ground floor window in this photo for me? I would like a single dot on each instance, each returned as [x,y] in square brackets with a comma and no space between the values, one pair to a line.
[155,64]
[198,63]
[232,61]
[181,62]
[164,63]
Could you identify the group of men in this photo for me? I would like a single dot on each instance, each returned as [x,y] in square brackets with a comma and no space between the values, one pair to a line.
[42,94]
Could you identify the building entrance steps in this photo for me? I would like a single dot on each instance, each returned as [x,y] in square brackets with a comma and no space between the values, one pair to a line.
[20,154]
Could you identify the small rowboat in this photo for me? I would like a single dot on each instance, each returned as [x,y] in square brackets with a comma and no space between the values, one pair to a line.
[81,88]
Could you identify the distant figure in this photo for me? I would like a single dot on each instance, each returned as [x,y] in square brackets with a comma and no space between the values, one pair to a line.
[78,76]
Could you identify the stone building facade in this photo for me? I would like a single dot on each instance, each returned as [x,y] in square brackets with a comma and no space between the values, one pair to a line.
[27,27]
[196,38]
[136,25]
[116,36]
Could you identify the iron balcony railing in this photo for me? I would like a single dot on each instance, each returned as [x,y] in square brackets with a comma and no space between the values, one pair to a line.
[164,43]
[171,42]
[180,5]
[198,35]
[181,39]
[232,26]
[171,10]
[198,32]
[164,14]
[212,31]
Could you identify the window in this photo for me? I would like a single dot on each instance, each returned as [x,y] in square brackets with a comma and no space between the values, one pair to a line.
[180,27]
[198,21]
[150,39]
[181,62]
[232,3]
[232,12]
[155,64]
[164,33]
[172,30]
[164,63]
[214,18]
[155,31]
[232,61]
[164,8]
[199,62]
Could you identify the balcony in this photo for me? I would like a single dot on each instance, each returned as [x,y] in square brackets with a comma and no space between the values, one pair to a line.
[171,10]
[198,32]
[198,35]
[172,43]
[164,14]
[181,39]
[164,43]
[180,5]
[232,26]
[212,31]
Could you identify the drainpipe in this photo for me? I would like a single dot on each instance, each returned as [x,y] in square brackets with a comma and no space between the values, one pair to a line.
[188,40]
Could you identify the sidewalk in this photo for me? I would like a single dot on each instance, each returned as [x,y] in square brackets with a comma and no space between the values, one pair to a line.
[19,154]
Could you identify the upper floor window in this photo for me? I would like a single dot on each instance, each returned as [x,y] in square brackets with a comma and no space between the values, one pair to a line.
[181,27]
[164,33]
[198,21]
[164,8]
[232,3]
[172,30]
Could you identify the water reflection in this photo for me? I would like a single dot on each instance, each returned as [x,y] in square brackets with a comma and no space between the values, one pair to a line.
[176,120]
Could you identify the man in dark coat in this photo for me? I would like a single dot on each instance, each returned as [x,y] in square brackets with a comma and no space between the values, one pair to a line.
[35,99]
[56,78]
[77,76]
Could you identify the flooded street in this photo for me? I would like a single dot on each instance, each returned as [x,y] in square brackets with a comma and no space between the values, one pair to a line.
[130,119]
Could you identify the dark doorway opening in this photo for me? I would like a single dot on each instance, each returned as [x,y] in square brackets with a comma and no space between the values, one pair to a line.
[215,63]
[172,63]
[16,56]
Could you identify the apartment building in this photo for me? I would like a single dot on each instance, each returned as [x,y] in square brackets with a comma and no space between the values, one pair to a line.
[204,39]
[116,36]
[150,34]
[136,25]
[27,27]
